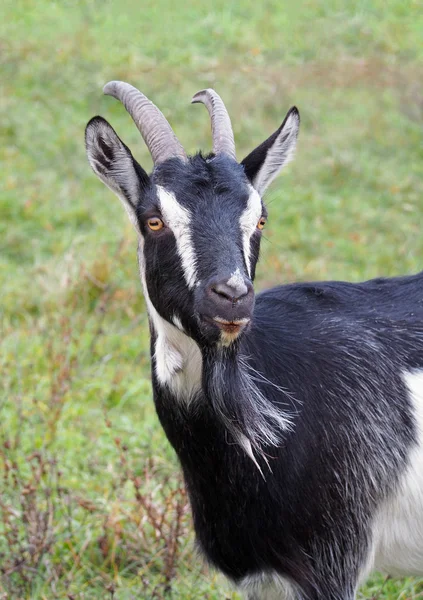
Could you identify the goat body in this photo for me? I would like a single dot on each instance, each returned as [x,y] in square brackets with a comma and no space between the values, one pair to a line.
[297,416]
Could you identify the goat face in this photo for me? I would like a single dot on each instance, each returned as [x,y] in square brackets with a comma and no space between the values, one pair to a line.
[199,219]
[201,254]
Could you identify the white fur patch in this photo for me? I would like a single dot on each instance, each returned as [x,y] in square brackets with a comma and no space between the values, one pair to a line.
[398,530]
[236,281]
[280,154]
[178,361]
[178,219]
[248,223]
[267,586]
[177,322]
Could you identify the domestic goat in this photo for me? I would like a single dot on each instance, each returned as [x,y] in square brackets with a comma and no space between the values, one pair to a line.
[297,416]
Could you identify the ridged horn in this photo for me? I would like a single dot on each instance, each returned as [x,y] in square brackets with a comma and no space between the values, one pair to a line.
[151,122]
[223,136]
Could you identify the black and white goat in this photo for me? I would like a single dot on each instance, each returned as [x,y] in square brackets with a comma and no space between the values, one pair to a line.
[297,416]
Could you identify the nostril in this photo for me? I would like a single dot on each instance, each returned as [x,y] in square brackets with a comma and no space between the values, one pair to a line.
[229,292]
[220,292]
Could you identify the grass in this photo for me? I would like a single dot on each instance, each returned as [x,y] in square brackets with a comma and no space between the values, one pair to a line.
[91,500]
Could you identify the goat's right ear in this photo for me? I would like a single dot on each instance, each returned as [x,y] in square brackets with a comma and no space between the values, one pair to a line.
[112,162]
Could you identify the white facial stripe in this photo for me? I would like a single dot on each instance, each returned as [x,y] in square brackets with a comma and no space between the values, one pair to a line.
[248,222]
[236,281]
[178,219]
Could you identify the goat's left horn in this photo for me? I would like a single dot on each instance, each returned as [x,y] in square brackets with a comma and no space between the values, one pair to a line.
[151,122]
[223,136]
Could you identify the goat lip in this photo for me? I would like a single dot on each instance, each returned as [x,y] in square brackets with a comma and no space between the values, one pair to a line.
[232,326]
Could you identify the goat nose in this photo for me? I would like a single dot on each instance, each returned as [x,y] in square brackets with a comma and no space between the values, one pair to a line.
[232,291]
[230,298]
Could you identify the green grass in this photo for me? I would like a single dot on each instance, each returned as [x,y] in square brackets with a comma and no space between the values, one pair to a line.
[91,500]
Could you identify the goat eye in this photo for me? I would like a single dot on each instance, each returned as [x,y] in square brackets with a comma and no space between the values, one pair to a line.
[261,223]
[155,224]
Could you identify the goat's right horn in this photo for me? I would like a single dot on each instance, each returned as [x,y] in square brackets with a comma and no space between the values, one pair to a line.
[151,122]
[223,136]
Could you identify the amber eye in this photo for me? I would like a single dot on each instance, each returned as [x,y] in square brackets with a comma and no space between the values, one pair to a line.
[261,223]
[155,224]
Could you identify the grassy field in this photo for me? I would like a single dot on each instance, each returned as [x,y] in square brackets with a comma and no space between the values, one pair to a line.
[91,500]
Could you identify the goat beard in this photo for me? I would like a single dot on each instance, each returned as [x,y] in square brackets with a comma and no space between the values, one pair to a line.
[251,419]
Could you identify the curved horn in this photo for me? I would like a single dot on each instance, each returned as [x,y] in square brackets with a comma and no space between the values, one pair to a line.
[152,124]
[223,136]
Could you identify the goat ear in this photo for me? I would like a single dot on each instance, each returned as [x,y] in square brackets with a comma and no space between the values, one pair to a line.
[264,163]
[112,162]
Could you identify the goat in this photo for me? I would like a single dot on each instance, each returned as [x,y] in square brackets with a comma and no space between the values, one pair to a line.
[297,416]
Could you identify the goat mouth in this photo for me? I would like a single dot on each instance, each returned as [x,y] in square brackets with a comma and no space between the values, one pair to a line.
[233,326]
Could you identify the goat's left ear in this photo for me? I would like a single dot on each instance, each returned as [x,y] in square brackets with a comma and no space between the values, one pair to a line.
[264,163]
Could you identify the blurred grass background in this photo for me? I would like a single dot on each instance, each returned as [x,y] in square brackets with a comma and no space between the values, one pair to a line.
[91,502]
